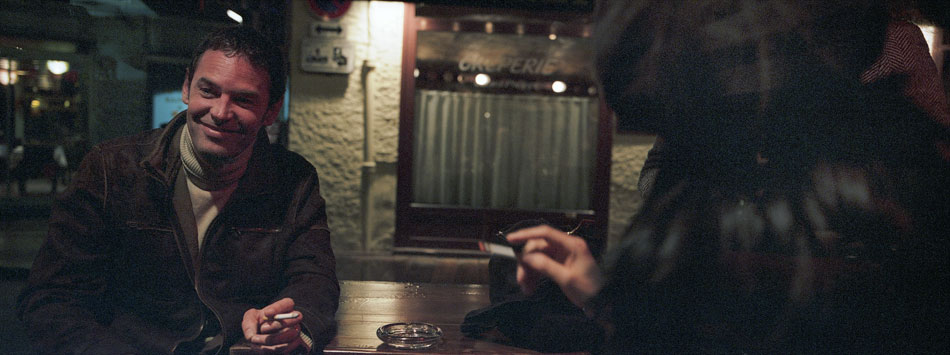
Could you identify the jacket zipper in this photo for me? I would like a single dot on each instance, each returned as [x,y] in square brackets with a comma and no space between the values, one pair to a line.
[209,233]
[184,254]
[196,271]
[211,227]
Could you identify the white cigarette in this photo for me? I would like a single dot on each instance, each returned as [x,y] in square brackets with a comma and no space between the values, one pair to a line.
[285,316]
[497,249]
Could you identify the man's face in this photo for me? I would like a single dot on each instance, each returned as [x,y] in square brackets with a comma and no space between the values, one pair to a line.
[227,104]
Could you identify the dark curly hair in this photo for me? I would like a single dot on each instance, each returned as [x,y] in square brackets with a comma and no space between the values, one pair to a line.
[251,44]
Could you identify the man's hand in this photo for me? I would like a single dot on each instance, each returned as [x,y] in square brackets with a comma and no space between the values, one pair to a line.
[268,335]
[563,258]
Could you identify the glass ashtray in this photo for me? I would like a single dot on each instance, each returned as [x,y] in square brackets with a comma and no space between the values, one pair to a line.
[409,335]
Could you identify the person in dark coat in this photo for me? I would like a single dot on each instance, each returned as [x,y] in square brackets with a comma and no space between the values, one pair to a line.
[807,212]
[194,237]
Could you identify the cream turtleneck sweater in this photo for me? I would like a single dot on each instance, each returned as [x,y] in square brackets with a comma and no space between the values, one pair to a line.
[210,187]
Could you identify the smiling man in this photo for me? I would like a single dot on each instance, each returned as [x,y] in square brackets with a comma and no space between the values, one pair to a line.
[195,237]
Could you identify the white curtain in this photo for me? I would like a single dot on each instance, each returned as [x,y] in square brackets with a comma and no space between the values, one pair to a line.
[503,151]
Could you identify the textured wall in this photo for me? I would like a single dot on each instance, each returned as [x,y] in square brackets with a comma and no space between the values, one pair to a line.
[326,117]
[629,152]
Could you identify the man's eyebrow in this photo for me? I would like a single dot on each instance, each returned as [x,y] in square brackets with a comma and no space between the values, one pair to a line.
[244,93]
[205,81]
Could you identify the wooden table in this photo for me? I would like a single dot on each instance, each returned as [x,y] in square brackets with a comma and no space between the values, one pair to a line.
[367,305]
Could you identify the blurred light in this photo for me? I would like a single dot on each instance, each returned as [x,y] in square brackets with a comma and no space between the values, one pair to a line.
[482,79]
[459,78]
[552,36]
[44,82]
[489,27]
[235,16]
[929,34]
[8,73]
[415,73]
[35,104]
[66,104]
[487,114]
[57,67]
[558,86]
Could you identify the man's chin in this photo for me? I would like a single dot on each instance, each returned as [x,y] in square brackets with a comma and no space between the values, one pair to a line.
[213,156]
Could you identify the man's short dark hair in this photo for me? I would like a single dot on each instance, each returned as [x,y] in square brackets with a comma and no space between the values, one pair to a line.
[252,45]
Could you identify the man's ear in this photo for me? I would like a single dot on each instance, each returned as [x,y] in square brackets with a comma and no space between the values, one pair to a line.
[270,116]
[186,88]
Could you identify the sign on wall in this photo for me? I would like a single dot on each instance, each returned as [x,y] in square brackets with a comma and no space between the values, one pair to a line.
[325,50]
[534,5]
[320,55]
[506,63]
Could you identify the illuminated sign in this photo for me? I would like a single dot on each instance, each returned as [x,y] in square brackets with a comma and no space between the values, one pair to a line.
[511,65]
[550,5]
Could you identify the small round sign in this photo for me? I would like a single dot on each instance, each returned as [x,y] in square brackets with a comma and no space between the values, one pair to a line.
[330,8]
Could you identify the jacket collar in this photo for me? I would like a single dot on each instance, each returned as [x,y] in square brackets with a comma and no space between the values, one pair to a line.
[164,159]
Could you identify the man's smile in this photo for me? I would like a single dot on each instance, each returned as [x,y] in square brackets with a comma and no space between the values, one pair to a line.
[216,129]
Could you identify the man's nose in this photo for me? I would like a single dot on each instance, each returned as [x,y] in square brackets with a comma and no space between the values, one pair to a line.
[221,110]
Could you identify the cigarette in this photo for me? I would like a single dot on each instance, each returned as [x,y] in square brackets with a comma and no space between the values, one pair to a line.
[497,249]
[284,316]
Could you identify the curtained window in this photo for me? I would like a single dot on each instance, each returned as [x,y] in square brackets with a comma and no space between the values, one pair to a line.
[481,150]
[500,122]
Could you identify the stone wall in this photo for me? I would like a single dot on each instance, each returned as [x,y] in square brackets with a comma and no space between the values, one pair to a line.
[629,152]
[325,122]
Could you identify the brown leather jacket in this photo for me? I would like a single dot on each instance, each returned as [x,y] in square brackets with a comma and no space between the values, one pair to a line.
[115,274]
